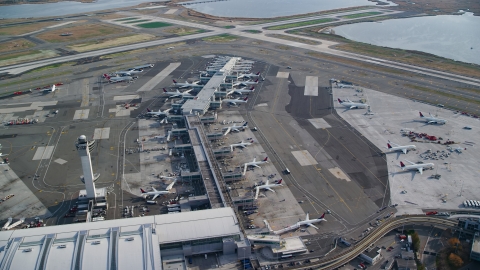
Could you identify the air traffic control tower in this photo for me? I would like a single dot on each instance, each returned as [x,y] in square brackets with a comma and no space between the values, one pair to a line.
[84,147]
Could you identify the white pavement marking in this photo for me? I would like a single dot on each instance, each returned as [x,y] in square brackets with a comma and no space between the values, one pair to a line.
[43,152]
[262,105]
[311,86]
[319,123]
[101,133]
[304,158]
[337,172]
[81,114]
[159,77]
[37,106]
[126,97]
[60,161]
[171,11]
[282,74]
[60,24]
[119,110]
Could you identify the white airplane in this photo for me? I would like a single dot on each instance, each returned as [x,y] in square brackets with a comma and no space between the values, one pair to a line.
[118,79]
[134,71]
[155,193]
[268,186]
[177,93]
[255,163]
[307,222]
[50,90]
[237,128]
[242,91]
[159,113]
[245,83]
[432,120]
[185,84]
[250,75]
[352,105]
[235,101]
[240,144]
[403,148]
[415,166]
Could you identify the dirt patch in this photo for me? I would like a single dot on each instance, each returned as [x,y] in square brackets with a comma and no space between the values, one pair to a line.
[24,28]
[15,45]
[106,43]
[80,32]
[16,58]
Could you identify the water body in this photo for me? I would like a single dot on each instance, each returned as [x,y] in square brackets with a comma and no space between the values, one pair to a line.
[64,8]
[272,8]
[451,36]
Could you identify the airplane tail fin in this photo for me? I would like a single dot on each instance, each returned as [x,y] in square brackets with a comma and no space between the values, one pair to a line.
[421,115]
[174,81]
[402,165]
[323,216]
[245,124]
[266,159]
[252,88]
[280,182]
[256,80]
[143,191]
[258,73]
[340,101]
[164,90]
[389,146]
[148,110]
[245,99]
[105,75]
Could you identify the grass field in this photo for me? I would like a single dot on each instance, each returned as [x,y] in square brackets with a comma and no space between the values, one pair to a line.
[299,24]
[220,38]
[137,21]
[153,25]
[253,31]
[114,42]
[16,58]
[80,32]
[126,19]
[15,45]
[360,15]
[24,28]
[229,26]
[183,31]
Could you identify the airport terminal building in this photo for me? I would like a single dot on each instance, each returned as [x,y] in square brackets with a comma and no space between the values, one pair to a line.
[136,243]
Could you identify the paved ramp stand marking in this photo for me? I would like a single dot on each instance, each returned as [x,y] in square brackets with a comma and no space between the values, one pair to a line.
[319,123]
[337,172]
[311,86]
[85,94]
[158,78]
[282,74]
[60,161]
[126,97]
[81,114]
[43,152]
[171,11]
[101,133]
[304,158]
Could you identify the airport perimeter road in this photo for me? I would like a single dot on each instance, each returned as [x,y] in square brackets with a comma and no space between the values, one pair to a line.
[322,48]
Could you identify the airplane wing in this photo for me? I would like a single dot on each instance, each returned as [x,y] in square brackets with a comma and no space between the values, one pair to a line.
[154,189]
[231,148]
[154,197]
[311,225]
[410,162]
[227,131]
[284,230]
[393,143]
[404,150]
[267,188]
[256,193]
[308,216]
[255,165]
[420,170]
[188,91]
[353,107]
[171,185]
[243,146]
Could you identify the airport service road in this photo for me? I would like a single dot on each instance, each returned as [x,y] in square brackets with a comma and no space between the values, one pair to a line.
[20,68]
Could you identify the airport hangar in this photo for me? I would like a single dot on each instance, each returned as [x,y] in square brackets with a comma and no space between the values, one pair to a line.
[131,243]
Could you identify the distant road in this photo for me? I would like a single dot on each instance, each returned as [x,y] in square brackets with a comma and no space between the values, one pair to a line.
[322,48]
